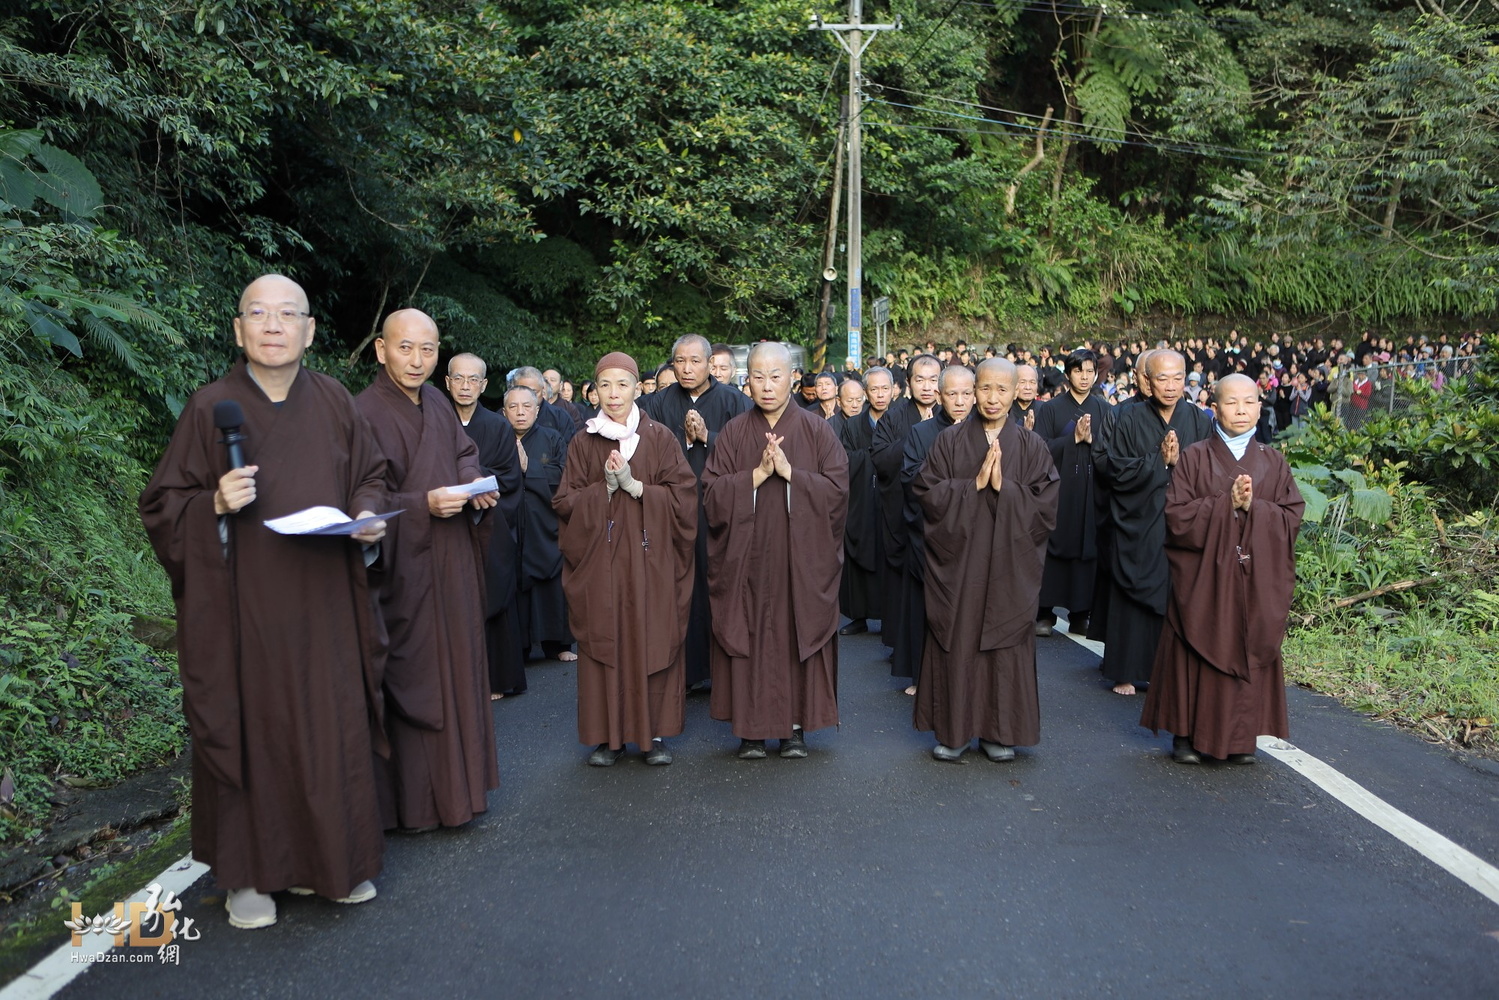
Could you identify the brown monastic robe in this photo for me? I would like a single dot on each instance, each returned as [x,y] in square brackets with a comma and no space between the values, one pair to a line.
[627,573]
[430,578]
[775,557]
[277,643]
[984,557]
[1218,676]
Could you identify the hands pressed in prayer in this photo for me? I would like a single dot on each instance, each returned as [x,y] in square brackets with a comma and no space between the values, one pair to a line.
[695,427]
[617,475]
[611,470]
[1083,432]
[371,533]
[1243,493]
[441,503]
[236,490]
[1030,419]
[989,472]
[769,465]
[1170,449]
[521,454]
[996,478]
[782,463]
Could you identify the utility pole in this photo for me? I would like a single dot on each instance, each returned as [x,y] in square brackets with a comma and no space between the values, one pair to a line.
[852,37]
[829,246]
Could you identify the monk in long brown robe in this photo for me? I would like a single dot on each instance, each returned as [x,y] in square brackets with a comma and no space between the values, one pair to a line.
[431,583]
[989,493]
[1232,513]
[627,513]
[277,645]
[775,493]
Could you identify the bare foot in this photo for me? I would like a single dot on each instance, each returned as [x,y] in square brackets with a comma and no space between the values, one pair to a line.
[495,697]
[911,689]
[567,656]
[1125,689]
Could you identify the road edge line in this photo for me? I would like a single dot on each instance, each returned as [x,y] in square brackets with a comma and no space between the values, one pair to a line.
[1457,860]
[44,979]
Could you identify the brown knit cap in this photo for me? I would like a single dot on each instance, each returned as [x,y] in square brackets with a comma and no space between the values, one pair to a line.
[617,359]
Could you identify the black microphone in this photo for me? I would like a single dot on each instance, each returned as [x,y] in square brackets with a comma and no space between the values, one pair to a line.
[228,417]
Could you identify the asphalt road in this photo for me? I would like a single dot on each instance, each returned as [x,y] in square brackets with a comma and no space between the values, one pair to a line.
[1090,866]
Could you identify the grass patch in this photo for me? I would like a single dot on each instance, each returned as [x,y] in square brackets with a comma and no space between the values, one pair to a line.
[1426,670]
[26,941]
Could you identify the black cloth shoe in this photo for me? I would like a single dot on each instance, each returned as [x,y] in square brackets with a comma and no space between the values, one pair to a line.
[1242,758]
[796,746]
[1078,624]
[751,749]
[1043,629]
[658,755]
[997,752]
[855,627]
[602,756]
[1182,752]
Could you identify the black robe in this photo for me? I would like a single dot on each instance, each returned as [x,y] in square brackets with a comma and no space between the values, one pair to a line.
[910,612]
[543,609]
[1140,576]
[886,452]
[557,419]
[718,404]
[859,594]
[1072,550]
[492,435]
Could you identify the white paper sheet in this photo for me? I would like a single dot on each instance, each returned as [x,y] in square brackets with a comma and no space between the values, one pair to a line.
[486,485]
[323,521]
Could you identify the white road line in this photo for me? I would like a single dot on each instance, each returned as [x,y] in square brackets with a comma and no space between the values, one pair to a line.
[1461,862]
[67,963]
[1457,860]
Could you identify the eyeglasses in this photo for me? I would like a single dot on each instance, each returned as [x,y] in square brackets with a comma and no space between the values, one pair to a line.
[259,315]
[467,379]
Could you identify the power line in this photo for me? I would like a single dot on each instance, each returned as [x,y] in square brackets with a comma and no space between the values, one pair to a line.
[1083,10]
[1077,136]
[917,50]
[1152,139]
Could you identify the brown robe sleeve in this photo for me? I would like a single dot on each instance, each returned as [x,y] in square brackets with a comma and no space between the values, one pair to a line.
[819,508]
[427,449]
[178,513]
[592,522]
[1022,512]
[729,507]
[818,493]
[1233,573]
[669,507]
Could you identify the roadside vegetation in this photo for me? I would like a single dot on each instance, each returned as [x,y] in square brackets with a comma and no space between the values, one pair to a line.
[1397,593]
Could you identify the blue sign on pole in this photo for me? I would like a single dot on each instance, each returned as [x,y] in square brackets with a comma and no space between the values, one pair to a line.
[855,336]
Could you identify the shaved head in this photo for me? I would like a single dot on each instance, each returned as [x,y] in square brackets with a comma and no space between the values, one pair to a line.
[1156,361]
[462,360]
[768,353]
[952,374]
[999,366]
[1229,383]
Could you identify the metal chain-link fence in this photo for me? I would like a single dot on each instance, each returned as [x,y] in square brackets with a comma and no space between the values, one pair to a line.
[1390,388]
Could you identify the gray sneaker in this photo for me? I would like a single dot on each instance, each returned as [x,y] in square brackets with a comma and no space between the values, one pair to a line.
[250,910]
